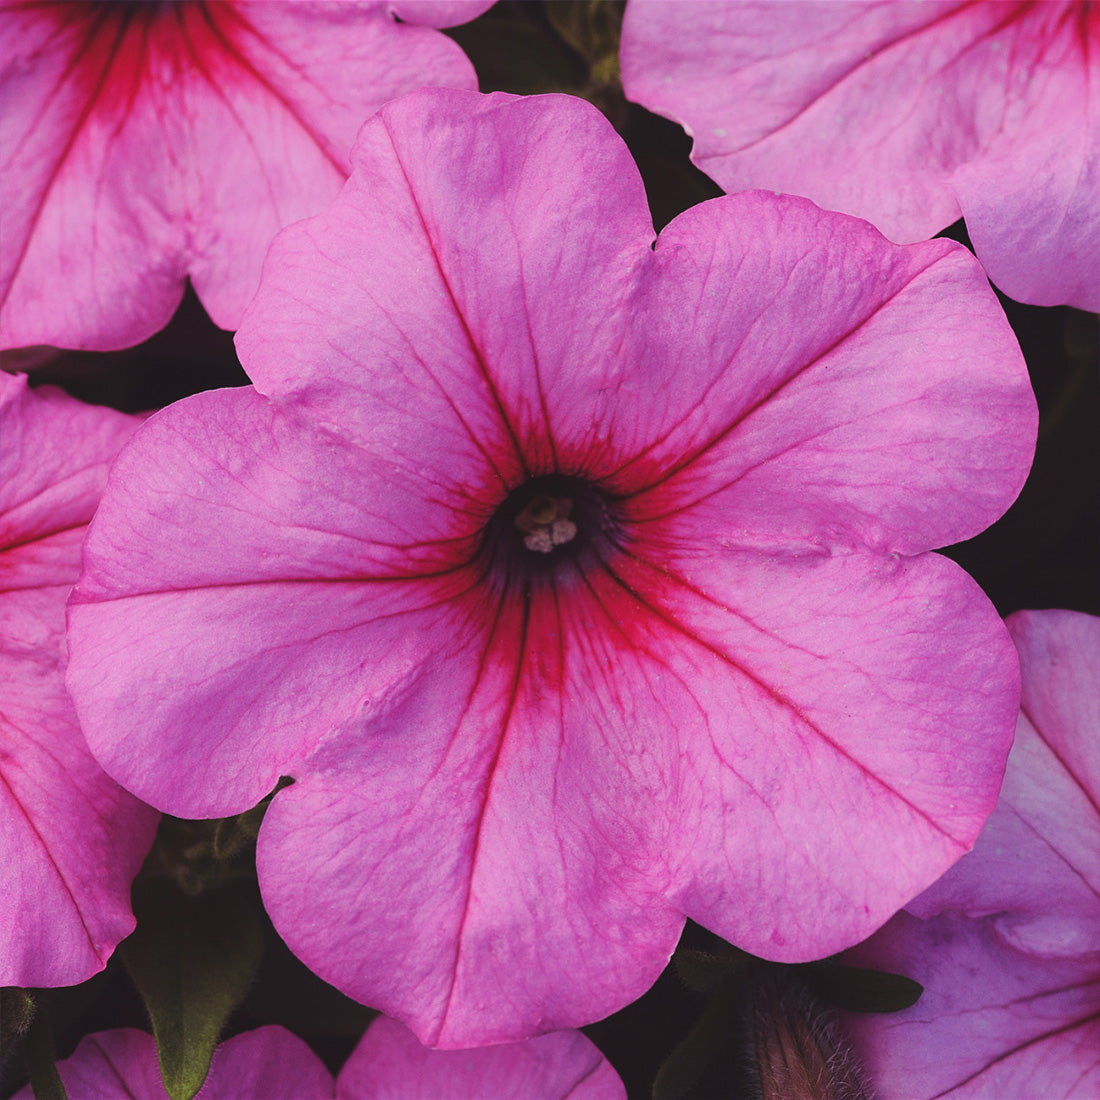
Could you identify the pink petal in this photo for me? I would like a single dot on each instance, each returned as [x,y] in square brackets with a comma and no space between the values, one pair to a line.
[877,768]
[228,120]
[992,1022]
[462,315]
[427,861]
[73,840]
[307,583]
[389,1064]
[1008,955]
[1037,878]
[269,1062]
[905,114]
[859,367]
[313,590]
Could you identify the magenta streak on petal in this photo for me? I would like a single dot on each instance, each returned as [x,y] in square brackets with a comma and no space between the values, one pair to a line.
[779,698]
[521,650]
[669,473]
[243,26]
[479,355]
[96,950]
[230,50]
[99,85]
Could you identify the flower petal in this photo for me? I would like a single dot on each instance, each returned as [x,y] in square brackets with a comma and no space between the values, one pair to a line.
[268,1062]
[1037,878]
[830,771]
[73,839]
[904,114]
[390,1064]
[817,382]
[991,1023]
[313,589]
[471,861]
[229,120]
[465,317]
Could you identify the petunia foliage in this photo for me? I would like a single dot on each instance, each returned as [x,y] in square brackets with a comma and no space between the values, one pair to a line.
[577,578]
[907,114]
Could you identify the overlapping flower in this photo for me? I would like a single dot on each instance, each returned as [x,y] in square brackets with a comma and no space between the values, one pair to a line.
[71,840]
[908,114]
[388,1064]
[1007,943]
[144,144]
[578,581]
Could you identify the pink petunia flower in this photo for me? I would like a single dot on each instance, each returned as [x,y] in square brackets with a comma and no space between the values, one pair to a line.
[388,1064]
[71,840]
[269,1063]
[907,114]
[1009,945]
[577,579]
[143,144]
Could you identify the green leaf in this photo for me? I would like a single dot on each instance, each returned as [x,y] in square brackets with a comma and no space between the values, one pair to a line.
[192,960]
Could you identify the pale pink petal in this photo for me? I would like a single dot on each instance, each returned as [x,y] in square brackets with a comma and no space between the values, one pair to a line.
[879,769]
[312,592]
[512,782]
[860,367]
[72,838]
[906,114]
[1036,869]
[506,328]
[268,1063]
[992,1023]
[141,147]
[463,860]
[1009,954]
[390,1064]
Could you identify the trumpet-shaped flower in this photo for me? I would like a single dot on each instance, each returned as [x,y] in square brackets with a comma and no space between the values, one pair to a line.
[907,114]
[577,578]
[71,839]
[1007,943]
[143,144]
[388,1064]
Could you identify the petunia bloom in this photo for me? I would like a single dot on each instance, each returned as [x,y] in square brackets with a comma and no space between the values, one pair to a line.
[388,1064]
[144,144]
[71,839]
[577,578]
[907,114]
[1007,943]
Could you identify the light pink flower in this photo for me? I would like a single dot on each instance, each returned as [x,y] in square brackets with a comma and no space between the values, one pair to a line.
[578,579]
[907,114]
[270,1063]
[1009,947]
[143,144]
[71,840]
[390,1064]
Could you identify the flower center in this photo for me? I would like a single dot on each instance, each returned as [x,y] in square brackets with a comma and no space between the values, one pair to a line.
[545,523]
